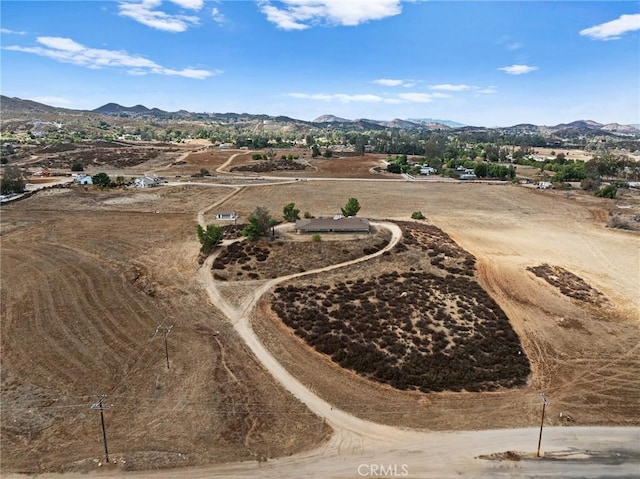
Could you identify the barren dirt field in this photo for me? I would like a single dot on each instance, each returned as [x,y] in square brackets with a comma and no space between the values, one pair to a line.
[92,280]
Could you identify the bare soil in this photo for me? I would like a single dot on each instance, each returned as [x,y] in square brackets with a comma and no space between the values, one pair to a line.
[83,293]
[89,275]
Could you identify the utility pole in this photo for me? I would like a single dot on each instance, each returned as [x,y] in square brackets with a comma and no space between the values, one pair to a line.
[167,330]
[544,404]
[101,407]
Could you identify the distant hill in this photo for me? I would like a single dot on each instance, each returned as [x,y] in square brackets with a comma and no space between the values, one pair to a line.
[452,124]
[115,109]
[330,119]
[20,114]
[19,105]
[362,123]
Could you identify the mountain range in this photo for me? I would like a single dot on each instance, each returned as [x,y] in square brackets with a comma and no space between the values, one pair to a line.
[19,109]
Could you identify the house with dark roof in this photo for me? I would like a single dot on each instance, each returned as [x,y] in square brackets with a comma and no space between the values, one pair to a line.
[333,225]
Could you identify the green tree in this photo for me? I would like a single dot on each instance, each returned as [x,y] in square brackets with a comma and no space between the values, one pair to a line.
[12,181]
[351,208]
[481,170]
[209,237]
[260,222]
[609,191]
[315,151]
[101,179]
[290,212]
[77,167]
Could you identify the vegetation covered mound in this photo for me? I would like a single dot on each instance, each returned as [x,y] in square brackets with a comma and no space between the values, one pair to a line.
[568,283]
[414,330]
[443,251]
[267,259]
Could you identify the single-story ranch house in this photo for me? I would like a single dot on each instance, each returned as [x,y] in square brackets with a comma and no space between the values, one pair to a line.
[333,225]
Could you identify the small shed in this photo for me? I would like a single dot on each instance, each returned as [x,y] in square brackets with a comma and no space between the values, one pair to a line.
[148,181]
[227,216]
[82,179]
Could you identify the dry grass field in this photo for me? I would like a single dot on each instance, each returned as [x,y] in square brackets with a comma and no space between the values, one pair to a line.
[89,275]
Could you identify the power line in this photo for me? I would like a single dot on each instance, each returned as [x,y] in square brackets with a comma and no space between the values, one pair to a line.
[132,368]
[101,407]
[166,330]
[544,404]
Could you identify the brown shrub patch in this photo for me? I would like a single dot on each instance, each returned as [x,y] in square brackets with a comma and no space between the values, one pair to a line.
[568,284]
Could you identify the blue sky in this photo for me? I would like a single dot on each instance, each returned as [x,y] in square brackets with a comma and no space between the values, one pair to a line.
[478,63]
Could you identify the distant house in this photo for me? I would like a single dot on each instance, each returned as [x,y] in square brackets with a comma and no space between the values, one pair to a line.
[82,179]
[427,170]
[333,225]
[544,185]
[227,216]
[468,176]
[146,181]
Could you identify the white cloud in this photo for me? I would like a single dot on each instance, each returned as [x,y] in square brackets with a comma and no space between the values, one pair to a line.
[301,14]
[388,82]
[67,50]
[487,91]
[281,18]
[416,97]
[514,46]
[11,32]
[344,98]
[614,29]
[217,16]
[190,4]
[391,82]
[368,98]
[146,13]
[509,43]
[450,87]
[518,69]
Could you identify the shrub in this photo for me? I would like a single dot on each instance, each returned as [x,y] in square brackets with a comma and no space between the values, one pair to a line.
[316,237]
[417,215]
[609,191]
[77,167]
